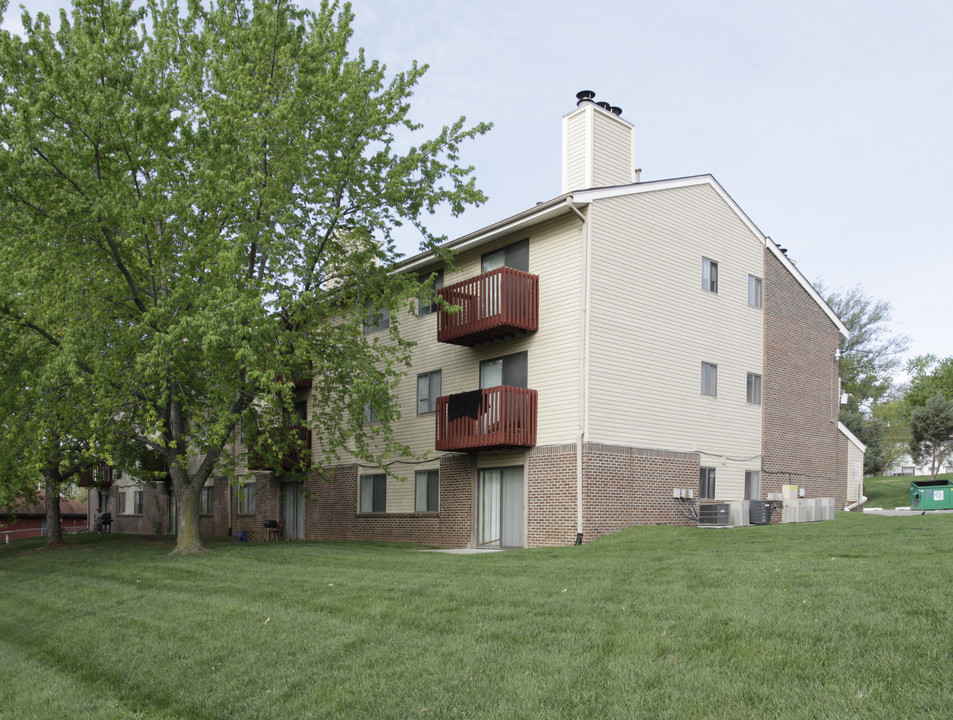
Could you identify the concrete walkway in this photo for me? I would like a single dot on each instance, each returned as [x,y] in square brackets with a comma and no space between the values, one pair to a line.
[900,511]
[464,551]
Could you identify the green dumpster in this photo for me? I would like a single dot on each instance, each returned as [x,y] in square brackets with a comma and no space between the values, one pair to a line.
[931,495]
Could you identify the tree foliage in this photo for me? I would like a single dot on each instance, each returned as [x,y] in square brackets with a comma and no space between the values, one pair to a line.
[929,376]
[200,207]
[872,352]
[931,433]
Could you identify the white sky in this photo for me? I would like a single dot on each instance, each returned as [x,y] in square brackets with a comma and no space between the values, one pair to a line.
[828,121]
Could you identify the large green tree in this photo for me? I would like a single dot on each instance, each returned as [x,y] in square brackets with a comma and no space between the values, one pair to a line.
[931,432]
[929,376]
[197,206]
[872,353]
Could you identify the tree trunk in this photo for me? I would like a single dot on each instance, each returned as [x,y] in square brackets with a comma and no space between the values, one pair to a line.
[54,532]
[188,540]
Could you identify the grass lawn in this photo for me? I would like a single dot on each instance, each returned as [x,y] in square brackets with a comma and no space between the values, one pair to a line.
[891,492]
[844,619]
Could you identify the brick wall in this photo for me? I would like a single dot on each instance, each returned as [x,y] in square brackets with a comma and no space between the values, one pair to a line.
[331,509]
[622,487]
[800,443]
[155,511]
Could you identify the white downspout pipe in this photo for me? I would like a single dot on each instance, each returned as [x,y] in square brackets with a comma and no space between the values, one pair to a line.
[863,499]
[583,367]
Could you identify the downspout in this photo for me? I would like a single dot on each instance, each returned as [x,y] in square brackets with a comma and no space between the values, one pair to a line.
[863,499]
[583,367]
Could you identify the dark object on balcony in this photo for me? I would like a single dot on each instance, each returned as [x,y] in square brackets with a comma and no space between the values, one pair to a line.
[497,304]
[100,477]
[506,417]
[465,404]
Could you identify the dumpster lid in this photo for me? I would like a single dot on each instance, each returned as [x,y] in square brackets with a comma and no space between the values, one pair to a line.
[931,483]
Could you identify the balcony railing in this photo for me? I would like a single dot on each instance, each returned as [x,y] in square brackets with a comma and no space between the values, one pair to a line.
[497,417]
[296,453]
[493,305]
[100,477]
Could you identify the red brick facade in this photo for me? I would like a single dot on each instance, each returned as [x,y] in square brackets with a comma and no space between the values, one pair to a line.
[622,487]
[801,444]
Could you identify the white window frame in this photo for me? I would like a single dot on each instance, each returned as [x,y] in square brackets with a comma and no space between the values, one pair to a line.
[755,291]
[752,484]
[753,388]
[121,503]
[706,483]
[428,302]
[424,481]
[709,379]
[207,500]
[375,319]
[366,488]
[428,390]
[246,499]
[710,275]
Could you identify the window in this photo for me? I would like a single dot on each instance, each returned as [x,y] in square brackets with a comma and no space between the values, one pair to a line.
[428,301]
[137,502]
[709,379]
[709,275]
[755,294]
[373,493]
[706,483]
[427,491]
[754,389]
[370,414]
[121,501]
[375,319]
[428,390]
[246,499]
[752,484]
[514,256]
[207,500]
[507,370]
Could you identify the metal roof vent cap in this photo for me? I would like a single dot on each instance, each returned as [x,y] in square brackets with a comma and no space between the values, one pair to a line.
[615,110]
[604,105]
[584,96]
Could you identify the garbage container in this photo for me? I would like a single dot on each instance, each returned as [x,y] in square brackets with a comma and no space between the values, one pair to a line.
[931,495]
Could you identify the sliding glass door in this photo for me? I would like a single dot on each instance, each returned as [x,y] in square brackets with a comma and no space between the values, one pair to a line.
[500,508]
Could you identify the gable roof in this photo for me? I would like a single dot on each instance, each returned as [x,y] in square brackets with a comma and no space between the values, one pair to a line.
[565,203]
[67,508]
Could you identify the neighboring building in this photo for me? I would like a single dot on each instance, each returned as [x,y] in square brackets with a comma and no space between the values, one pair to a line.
[615,344]
[906,466]
[29,520]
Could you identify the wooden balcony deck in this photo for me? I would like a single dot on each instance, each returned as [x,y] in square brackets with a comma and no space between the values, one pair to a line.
[297,454]
[496,304]
[497,417]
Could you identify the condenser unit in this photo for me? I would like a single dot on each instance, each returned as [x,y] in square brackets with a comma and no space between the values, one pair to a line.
[714,515]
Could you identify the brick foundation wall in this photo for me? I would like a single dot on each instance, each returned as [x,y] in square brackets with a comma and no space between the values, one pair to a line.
[331,510]
[801,444]
[622,487]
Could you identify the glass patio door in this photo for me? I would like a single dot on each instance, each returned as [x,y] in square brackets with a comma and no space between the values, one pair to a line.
[292,509]
[500,508]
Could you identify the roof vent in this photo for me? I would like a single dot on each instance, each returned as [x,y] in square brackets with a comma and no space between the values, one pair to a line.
[615,110]
[584,96]
[604,105]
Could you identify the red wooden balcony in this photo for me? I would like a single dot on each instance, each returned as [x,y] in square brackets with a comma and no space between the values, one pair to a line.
[497,417]
[295,456]
[100,477]
[496,304]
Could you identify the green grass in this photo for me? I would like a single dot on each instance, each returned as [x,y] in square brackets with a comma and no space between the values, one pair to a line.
[844,619]
[891,492]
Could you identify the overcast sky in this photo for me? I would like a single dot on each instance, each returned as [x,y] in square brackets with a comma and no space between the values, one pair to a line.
[829,122]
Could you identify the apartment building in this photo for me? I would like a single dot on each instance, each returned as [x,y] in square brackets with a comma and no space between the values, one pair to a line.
[614,344]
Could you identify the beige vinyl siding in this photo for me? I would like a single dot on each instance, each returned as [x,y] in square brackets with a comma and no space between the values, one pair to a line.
[855,472]
[652,326]
[612,141]
[555,255]
[576,152]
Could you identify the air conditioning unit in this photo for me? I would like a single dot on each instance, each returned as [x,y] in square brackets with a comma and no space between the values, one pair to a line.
[759,512]
[738,513]
[714,515]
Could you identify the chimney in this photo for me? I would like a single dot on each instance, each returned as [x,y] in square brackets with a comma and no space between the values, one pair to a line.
[598,145]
